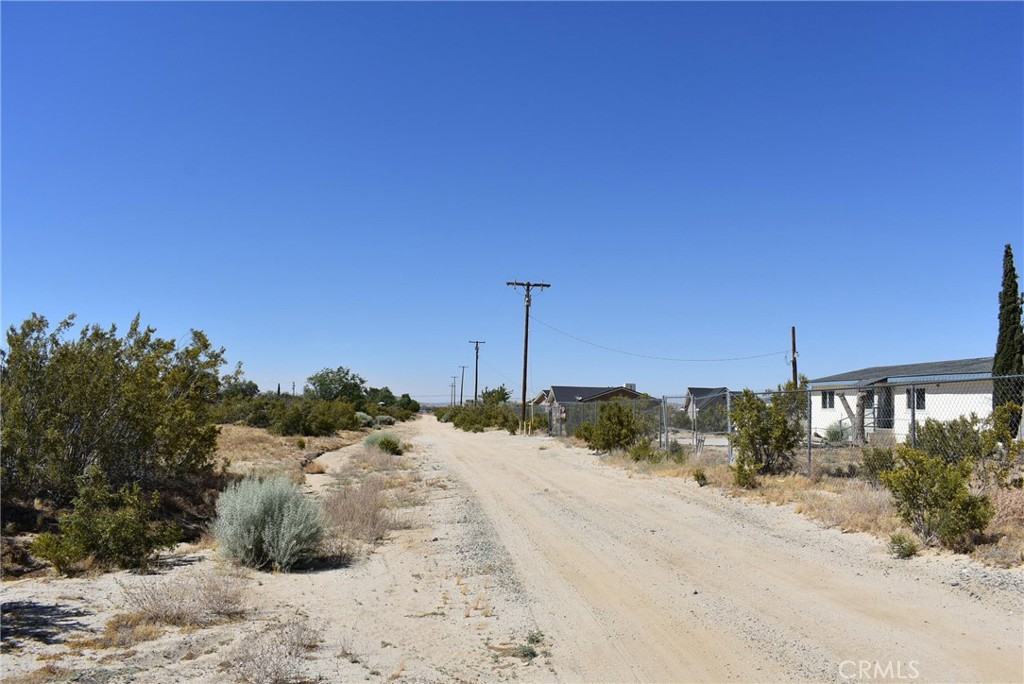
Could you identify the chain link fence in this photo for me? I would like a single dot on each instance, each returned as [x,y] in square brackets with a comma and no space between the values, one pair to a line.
[835,422]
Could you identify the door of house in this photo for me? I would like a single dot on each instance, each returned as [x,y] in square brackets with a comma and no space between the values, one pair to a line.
[886,409]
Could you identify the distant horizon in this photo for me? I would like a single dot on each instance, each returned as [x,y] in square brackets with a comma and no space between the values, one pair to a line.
[317,185]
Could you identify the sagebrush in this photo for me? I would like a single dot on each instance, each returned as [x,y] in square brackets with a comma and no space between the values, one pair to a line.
[268,523]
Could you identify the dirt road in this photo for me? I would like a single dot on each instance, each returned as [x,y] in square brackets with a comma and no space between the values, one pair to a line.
[655,579]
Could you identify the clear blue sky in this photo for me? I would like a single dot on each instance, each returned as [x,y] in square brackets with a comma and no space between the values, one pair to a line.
[347,184]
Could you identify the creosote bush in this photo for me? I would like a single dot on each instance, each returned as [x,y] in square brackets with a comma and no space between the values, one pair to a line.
[268,523]
[931,495]
[112,528]
[902,545]
[876,461]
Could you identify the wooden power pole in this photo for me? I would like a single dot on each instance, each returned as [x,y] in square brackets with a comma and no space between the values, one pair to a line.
[476,371]
[462,385]
[526,337]
[796,378]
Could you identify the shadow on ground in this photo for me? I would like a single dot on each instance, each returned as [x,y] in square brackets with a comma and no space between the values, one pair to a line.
[31,621]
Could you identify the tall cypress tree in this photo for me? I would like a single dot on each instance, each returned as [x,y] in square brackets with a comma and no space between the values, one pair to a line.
[1009,359]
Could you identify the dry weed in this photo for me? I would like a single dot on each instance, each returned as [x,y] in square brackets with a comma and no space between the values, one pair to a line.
[1006,529]
[47,674]
[121,631]
[373,460]
[249,448]
[314,468]
[855,507]
[189,600]
[275,655]
[360,511]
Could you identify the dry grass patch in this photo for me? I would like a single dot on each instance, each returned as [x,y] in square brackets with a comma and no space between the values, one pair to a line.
[275,655]
[49,673]
[855,506]
[1006,529]
[361,511]
[255,449]
[373,460]
[121,631]
[314,468]
[189,600]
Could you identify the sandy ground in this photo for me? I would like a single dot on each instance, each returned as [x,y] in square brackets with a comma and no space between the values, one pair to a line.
[606,576]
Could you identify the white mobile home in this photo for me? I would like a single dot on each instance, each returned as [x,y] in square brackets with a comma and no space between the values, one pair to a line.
[883,401]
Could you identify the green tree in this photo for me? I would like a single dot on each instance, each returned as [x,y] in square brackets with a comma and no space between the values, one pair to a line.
[493,397]
[339,383]
[1009,358]
[137,408]
[380,397]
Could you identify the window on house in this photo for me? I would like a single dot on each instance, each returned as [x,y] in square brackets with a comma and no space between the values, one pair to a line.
[828,400]
[918,399]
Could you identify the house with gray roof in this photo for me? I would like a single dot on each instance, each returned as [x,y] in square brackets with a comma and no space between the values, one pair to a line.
[563,403]
[881,403]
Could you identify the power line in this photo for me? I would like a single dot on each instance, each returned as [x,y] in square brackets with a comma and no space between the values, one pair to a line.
[656,358]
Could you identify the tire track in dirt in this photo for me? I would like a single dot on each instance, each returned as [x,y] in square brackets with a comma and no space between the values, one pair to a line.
[614,562]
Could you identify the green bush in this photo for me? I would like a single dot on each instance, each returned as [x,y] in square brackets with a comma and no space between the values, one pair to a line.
[313,417]
[745,470]
[384,419]
[539,422]
[931,495]
[478,417]
[767,434]
[700,477]
[268,523]
[677,452]
[617,427]
[137,408]
[114,528]
[385,441]
[876,461]
[902,545]
[837,432]
[585,432]
[644,451]
[365,419]
[952,440]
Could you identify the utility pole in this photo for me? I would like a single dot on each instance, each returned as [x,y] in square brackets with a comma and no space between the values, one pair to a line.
[476,371]
[526,336]
[796,378]
[454,378]
[462,387]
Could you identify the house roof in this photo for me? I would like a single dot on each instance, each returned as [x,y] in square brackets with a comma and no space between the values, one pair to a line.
[703,396]
[568,394]
[955,369]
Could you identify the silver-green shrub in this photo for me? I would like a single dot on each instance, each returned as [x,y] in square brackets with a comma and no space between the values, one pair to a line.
[268,523]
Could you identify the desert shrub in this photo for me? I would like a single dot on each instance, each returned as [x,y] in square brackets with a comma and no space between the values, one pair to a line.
[902,545]
[713,418]
[191,600]
[360,511]
[876,461]
[134,408]
[767,434]
[384,419]
[617,427]
[700,477]
[837,432]
[275,655]
[952,440]
[313,417]
[300,443]
[644,451]
[385,441]
[745,470]
[931,495]
[268,523]
[677,452]
[365,419]
[584,432]
[113,528]
[478,417]
[539,422]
